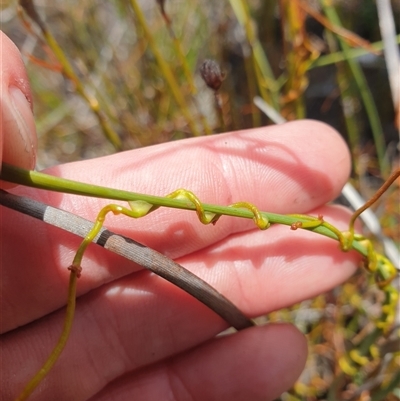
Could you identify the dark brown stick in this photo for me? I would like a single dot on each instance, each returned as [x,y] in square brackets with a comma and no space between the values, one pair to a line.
[134,251]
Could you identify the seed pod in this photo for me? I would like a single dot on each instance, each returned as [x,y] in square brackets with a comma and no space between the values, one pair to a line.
[211,73]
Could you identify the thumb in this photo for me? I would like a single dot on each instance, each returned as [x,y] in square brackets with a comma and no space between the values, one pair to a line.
[17,127]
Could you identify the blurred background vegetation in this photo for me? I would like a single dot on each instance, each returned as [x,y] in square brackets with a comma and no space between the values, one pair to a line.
[115,75]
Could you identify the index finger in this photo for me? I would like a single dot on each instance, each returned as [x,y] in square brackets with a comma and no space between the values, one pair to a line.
[291,168]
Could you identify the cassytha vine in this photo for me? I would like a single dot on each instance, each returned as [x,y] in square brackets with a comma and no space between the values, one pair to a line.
[140,205]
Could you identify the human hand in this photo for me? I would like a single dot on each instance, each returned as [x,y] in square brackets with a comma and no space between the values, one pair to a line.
[17,127]
[137,337]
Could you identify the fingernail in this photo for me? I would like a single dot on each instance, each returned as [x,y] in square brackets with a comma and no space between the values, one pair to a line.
[23,140]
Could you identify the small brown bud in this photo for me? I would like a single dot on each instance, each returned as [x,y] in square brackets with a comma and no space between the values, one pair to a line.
[296,225]
[211,73]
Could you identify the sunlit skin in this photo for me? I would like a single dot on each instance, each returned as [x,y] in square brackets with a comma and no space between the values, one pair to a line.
[135,336]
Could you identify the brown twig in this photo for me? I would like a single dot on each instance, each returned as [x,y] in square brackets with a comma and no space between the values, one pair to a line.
[134,251]
[392,178]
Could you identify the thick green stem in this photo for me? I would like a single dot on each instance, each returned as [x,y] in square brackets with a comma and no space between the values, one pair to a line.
[44,181]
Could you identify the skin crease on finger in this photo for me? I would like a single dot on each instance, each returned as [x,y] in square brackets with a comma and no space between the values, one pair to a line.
[253,165]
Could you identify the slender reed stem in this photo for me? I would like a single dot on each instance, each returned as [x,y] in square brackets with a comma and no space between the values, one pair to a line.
[165,69]
[68,71]
[365,93]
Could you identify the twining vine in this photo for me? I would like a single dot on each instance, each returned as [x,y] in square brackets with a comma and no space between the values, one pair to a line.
[140,205]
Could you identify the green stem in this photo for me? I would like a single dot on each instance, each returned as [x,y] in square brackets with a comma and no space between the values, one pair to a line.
[348,99]
[364,90]
[185,67]
[93,103]
[44,181]
[165,69]
[265,77]
[333,58]
[69,318]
